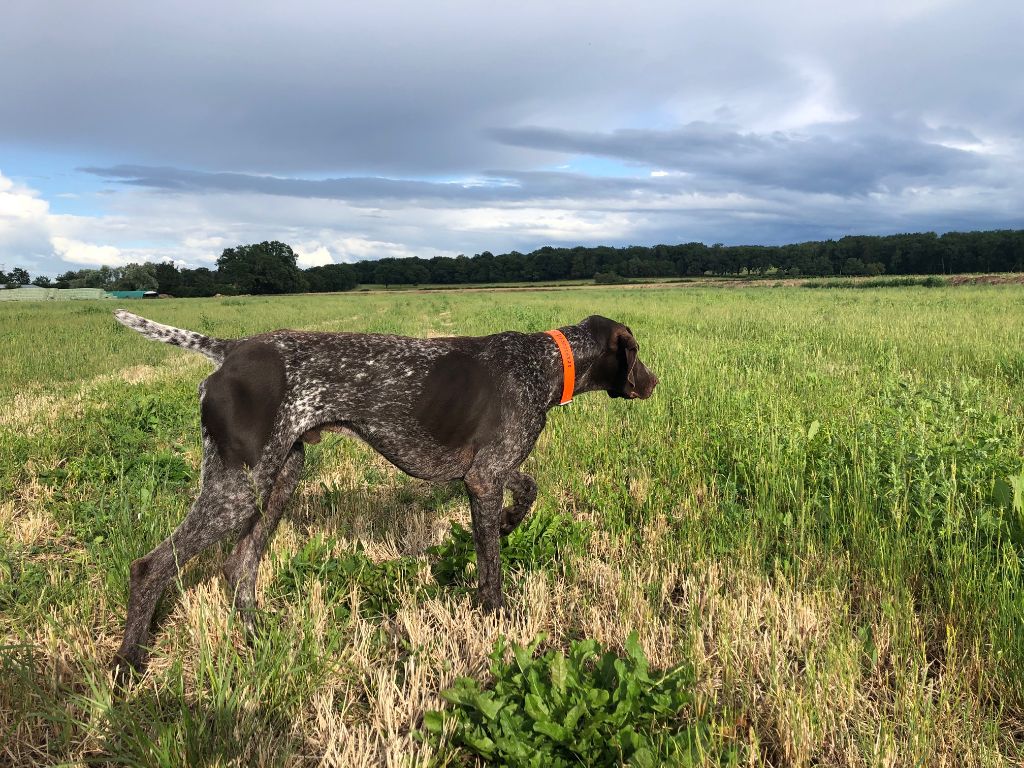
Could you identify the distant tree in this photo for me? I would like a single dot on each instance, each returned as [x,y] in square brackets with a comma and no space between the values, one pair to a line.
[443,270]
[168,278]
[136,277]
[854,266]
[411,271]
[820,266]
[42,281]
[104,278]
[414,272]
[267,267]
[331,277]
[609,278]
[203,282]
[18,277]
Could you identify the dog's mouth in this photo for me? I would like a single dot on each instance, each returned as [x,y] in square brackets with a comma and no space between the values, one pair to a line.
[630,395]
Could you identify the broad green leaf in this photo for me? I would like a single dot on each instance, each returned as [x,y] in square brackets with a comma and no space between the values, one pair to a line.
[487,705]
[481,743]
[523,657]
[552,730]
[1009,493]
[434,721]
[573,715]
[643,758]
[559,672]
[536,708]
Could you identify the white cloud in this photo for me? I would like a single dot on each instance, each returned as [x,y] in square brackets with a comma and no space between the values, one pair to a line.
[815,102]
[351,249]
[24,219]
[312,255]
[88,254]
[19,203]
[540,224]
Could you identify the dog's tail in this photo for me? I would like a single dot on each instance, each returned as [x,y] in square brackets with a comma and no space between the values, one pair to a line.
[215,349]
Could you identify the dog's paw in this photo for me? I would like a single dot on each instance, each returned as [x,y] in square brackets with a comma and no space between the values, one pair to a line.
[511,517]
[127,666]
[253,623]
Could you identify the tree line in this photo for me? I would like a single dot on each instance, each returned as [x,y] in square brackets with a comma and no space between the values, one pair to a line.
[271,267]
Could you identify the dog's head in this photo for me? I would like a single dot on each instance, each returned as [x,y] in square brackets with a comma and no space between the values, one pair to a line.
[617,368]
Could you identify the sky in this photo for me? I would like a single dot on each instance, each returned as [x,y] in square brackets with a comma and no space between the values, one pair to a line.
[142,132]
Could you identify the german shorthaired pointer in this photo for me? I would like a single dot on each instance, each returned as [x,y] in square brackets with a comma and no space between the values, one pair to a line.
[468,408]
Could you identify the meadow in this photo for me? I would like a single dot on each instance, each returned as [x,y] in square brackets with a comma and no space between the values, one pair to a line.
[805,549]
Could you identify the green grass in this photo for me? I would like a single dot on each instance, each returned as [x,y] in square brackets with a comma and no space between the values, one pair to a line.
[815,514]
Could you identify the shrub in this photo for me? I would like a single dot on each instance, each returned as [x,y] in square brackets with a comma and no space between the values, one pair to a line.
[609,278]
[590,707]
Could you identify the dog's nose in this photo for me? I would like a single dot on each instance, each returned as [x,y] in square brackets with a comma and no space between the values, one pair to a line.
[651,386]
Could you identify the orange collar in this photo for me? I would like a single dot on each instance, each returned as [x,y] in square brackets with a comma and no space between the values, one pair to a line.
[568,366]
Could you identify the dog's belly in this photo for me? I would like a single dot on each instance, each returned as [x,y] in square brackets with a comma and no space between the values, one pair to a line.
[416,455]
[314,435]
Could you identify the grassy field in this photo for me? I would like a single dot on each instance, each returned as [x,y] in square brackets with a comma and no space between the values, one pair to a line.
[812,523]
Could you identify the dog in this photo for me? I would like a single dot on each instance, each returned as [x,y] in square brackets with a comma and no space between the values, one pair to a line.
[458,408]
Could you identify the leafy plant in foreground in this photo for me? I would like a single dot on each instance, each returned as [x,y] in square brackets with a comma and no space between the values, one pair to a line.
[1008,493]
[590,707]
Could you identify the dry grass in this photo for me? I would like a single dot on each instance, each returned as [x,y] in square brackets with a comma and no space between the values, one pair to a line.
[34,409]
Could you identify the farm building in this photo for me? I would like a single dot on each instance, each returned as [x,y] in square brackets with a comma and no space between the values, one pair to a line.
[133,294]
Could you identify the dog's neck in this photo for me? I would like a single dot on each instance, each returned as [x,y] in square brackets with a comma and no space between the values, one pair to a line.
[584,351]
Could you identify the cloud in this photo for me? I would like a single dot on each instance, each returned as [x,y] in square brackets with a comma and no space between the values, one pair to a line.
[842,159]
[88,254]
[409,89]
[23,224]
[495,186]
[312,255]
[355,132]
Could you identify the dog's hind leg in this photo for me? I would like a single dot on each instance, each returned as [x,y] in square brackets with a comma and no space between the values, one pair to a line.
[241,566]
[485,496]
[226,500]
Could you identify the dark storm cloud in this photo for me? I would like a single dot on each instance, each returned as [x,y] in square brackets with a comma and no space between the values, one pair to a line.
[493,187]
[853,161]
[403,89]
[393,89]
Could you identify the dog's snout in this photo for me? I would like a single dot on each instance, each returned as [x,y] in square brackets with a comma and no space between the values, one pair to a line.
[652,382]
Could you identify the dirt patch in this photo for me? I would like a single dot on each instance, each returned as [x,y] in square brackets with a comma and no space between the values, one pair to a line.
[1014,278]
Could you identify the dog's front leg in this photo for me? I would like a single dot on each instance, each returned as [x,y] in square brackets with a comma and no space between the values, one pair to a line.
[485,500]
[524,493]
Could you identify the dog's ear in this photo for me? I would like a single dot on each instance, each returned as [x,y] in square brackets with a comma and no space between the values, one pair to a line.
[626,347]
